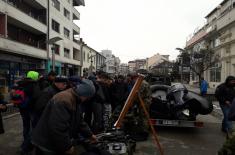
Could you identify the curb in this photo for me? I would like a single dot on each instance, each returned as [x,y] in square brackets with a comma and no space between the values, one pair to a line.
[10,116]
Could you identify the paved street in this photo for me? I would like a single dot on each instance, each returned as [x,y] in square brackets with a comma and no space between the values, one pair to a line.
[185,141]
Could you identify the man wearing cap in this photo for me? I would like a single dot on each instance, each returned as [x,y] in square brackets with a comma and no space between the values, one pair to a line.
[60,84]
[30,87]
[61,121]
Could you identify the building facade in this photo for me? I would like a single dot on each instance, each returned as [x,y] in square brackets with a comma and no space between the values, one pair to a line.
[218,34]
[25,27]
[62,15]
[123,69]
[89,60]
[155,60]
[110,63]
[138,64]
[100,62]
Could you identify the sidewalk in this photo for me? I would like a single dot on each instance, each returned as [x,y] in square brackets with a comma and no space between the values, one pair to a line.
[210,94]
[210,91]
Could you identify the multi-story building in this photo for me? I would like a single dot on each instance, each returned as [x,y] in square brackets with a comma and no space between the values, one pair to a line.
[89,60]
[218,35]
[137,65]
[25,27]
[123,69]
[131,66]
[155,60]
[110,61]
[100,61]
[61,24]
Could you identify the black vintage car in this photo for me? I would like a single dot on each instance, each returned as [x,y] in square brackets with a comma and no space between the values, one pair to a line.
[158,80]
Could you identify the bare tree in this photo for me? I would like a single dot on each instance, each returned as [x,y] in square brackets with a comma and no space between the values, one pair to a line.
[202,60]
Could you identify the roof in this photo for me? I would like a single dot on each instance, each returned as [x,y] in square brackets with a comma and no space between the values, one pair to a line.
[215,9]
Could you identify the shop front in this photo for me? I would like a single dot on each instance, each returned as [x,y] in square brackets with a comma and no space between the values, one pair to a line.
[58,67]
[70,70]
[13,67]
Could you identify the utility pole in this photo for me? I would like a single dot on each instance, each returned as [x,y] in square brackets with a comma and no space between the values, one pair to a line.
[51,42]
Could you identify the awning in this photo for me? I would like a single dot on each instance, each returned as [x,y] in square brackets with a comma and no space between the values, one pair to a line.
[80,2]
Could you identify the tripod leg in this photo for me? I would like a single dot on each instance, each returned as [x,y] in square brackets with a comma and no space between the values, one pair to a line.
[151,126]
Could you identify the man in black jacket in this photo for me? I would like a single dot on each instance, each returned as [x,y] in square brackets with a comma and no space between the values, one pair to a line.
[225,93]
[61,121]
[60,84]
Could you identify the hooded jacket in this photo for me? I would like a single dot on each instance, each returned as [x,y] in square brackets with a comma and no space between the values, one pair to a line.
[60,122]
[225,91]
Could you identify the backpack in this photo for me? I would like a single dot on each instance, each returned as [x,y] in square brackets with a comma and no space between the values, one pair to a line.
[19,98]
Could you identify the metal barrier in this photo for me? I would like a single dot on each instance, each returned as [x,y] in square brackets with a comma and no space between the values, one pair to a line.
[11,109]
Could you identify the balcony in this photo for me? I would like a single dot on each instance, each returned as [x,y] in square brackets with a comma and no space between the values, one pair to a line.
[78,3]
[76,14]
[226,19]
[76,54]
[76,28]
[29,17]
[20,48]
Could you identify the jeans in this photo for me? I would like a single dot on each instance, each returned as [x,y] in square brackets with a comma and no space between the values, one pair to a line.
[97,109]
[26,146]
[226,124]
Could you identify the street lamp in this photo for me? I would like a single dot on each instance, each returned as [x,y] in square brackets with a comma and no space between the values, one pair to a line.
[181,63]
[91,66]
[51,42]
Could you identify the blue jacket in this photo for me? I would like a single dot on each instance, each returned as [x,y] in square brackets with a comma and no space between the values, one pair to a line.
[204,86]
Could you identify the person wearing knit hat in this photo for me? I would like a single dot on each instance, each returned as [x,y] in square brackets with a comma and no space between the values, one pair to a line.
[86,89]
[62,119]
[74,81]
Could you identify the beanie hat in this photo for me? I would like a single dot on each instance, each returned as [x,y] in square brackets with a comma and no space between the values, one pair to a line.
[75,80]
[86,88]
[33,75]
[61,79]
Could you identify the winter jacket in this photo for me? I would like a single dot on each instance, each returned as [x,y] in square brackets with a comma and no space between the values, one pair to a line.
[31,89]
[225,92]
[204,86]
[44,98]
[119,92]
[60,122]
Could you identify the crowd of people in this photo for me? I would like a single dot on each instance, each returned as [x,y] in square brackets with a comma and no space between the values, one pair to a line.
[56,109]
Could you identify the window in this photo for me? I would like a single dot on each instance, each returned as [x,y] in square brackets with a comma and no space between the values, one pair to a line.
[88,57]
[57,49]
[66,13]
[66,33]
[84,56]
[55,26]
[215,73]
[66,53]
[56,4]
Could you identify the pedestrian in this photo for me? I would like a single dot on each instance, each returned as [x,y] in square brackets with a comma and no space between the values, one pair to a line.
[3,108]
[45,82]
[24,95]
[61,121]
[74,81]
[225,94]
[119,92]
[203,87]
[60,84]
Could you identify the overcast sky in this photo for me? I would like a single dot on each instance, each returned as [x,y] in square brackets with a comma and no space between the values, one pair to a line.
[141,28]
